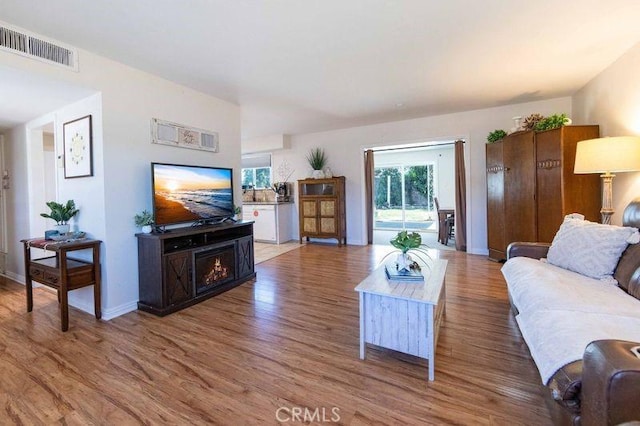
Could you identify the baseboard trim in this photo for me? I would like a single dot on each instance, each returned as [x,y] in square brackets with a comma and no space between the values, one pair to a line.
[125,308]
[107,314]
[83,306]
[15,277]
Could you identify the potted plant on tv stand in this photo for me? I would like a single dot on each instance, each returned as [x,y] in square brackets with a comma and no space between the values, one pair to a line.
[144,220]
[61,213]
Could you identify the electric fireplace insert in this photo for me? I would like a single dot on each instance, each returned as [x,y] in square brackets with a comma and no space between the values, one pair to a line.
[214,267]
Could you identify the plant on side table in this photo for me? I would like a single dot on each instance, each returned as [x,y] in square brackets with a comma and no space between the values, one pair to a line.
[409,243]
[144,220]
[61,213]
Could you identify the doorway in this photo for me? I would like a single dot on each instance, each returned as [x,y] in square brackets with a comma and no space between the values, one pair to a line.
[404,196]
[406,181]
[42,176]
[3,209]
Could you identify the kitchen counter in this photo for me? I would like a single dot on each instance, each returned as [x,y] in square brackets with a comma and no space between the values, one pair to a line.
[265,203]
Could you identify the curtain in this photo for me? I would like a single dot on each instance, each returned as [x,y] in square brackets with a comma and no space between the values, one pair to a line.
[368,182]
[461,198]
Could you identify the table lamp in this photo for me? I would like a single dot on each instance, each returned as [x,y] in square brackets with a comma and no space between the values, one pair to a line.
[607,155]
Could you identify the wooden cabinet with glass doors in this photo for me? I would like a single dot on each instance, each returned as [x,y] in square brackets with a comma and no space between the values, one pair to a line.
[321,205]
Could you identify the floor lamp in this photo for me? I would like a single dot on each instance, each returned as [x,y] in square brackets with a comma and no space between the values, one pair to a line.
[606,156]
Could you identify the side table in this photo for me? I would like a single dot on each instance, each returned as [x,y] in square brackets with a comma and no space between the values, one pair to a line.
[404,317]
[63,273]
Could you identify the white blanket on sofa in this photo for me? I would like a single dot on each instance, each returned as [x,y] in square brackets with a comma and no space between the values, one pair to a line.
[536,286]
[556,338]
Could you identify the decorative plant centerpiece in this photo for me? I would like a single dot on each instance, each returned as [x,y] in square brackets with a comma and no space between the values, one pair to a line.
[552,122]
[409,243]
[61,213]
[144,220]
[237,210]
[531,120]
[496,135]
[317,160]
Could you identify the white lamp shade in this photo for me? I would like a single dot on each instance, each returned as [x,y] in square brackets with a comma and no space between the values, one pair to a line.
[602,155]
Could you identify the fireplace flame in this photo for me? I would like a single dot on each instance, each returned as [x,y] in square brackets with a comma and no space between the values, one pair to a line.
[217,273]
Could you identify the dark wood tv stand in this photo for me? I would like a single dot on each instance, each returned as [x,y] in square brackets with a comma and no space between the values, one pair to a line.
[171,265]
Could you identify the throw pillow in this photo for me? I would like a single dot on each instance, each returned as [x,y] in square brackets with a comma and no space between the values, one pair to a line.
[589,248]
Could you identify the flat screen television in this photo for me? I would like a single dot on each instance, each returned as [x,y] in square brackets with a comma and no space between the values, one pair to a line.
[184,193]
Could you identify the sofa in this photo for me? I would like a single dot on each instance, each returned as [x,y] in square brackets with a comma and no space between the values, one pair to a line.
[582,326]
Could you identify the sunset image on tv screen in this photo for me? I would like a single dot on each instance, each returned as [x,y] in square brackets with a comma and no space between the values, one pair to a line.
[190,193]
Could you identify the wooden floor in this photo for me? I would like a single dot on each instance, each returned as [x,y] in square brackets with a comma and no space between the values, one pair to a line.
[284,344]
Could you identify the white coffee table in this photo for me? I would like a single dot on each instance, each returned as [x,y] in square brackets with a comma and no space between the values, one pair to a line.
[403,317]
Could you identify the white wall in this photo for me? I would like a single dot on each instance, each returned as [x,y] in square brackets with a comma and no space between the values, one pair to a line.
[86,192]
[345,153]
[612,100]
[125,102]
[266,143]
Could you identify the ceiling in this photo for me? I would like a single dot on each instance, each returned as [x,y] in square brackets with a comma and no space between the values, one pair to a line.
[298,66]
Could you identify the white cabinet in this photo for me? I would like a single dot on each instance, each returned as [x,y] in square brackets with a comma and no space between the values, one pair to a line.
[284,222]
[264,228]
[272,221]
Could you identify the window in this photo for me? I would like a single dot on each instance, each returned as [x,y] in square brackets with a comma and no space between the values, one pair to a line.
[404,196]
[256,170]
[260,177]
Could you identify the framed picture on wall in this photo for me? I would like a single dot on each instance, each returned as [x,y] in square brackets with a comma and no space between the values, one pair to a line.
[78,161]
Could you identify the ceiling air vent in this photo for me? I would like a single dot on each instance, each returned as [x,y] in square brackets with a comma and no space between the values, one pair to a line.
[13,40]
[166,133]
[24,43]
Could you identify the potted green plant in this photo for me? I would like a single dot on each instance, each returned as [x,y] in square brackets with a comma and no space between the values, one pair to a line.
[144,220]
[409,243]
[317,160]
[61,213]
[496,135]
[552,122]
[237,210]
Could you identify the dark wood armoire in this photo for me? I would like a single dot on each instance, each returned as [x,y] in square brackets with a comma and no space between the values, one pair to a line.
[531,186]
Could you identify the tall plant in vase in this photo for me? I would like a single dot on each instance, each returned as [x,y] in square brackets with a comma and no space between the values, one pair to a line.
[317,160]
